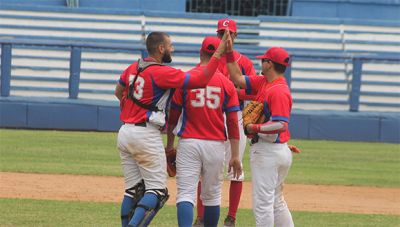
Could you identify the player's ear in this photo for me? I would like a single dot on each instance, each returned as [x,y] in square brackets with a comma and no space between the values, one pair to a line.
[161,48]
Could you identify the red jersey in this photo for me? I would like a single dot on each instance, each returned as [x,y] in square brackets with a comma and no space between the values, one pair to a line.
[277,100]
[203,109]
[245,65]
[152,87]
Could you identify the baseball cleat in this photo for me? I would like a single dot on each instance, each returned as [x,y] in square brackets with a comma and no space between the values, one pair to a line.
[229,222]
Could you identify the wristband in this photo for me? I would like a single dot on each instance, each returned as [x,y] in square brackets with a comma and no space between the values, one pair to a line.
[230,58]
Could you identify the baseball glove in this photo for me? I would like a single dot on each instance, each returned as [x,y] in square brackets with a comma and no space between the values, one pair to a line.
[171,164]
[252,113]
[294,149]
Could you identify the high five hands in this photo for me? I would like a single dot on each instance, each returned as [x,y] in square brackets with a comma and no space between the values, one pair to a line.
[225,46]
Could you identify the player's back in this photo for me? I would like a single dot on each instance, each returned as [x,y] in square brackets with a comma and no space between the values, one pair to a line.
[151,88]
[203,109]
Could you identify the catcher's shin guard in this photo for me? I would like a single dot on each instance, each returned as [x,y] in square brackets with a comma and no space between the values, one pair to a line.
[131,198]
[150,212]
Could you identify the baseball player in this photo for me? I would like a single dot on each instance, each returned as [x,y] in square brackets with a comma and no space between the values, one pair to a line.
[144,90]
[202,140]
[270,156]
[235,188]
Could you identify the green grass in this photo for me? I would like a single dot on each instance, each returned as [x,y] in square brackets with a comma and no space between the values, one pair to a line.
[95,153]
[87,153]
[26,212]
[346,163]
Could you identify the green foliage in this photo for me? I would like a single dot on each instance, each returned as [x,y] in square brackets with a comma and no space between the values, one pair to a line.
[27,212]
[95,153]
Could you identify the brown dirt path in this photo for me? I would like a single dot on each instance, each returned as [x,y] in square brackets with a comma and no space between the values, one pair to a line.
[361,200]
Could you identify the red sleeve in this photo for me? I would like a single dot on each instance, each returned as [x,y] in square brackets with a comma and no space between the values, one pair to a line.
[232,125]
[253,84]
[124,77]
[168,77]
[202,77]
[231,103]
[177,100]
[242,95]
[280,105]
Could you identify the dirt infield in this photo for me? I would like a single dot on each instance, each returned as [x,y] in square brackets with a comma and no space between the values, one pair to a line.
[346,199]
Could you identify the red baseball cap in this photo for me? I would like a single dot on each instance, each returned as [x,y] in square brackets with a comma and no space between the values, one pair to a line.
[210,44]
[227,23]
[277,55]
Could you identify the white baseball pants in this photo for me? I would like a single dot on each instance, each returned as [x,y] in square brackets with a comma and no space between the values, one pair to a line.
[197,158]
[270,164]
[142,156]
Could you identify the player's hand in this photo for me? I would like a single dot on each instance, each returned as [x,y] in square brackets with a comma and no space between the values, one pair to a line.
[249,129]
[222,46]
[236,167]
[229,42]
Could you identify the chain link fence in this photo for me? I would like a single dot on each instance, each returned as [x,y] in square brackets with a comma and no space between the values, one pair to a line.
[239,7]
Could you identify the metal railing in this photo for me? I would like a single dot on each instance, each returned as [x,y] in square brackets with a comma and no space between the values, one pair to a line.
[75,63]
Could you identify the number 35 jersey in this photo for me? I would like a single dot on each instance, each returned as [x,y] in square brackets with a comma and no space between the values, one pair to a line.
[203,109]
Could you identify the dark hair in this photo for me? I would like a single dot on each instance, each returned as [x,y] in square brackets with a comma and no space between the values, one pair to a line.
[206,54]
[279,68]
[153,40]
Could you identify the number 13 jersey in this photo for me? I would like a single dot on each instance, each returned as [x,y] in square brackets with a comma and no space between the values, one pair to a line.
[203,109]
[154,86]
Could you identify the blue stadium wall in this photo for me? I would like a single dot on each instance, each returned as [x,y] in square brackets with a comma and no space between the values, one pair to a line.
[157,5]
[353,9]
[356,9]
[92,116]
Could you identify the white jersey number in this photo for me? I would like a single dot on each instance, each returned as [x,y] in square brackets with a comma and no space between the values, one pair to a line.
[138,90]
[208,96]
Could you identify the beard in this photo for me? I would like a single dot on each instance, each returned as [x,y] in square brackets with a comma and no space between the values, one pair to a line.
[167,57]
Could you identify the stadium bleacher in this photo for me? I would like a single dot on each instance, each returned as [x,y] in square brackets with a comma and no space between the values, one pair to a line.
[65,63]
[316,83]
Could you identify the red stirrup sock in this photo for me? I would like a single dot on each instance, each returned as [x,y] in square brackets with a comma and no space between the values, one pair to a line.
[235,191]
[200,207]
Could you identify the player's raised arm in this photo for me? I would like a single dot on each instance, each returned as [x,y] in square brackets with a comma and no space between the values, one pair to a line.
[233,67]
[201,80]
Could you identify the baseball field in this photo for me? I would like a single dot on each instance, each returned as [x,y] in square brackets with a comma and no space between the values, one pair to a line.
[59,178]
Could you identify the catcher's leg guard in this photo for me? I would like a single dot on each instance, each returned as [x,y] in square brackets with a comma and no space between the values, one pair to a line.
[131,198]
[152,201]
